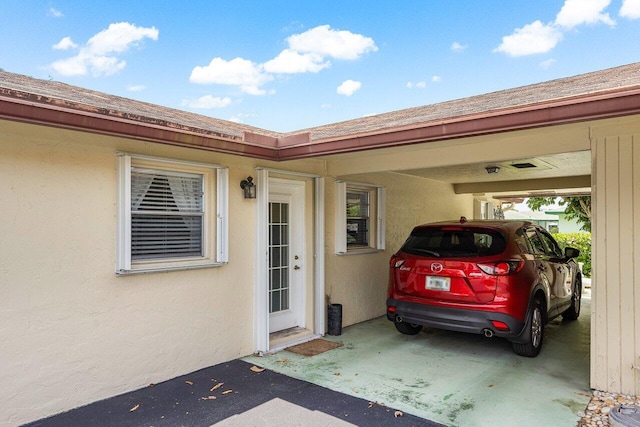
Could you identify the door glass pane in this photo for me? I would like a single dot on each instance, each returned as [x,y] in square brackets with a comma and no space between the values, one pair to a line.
[278,257]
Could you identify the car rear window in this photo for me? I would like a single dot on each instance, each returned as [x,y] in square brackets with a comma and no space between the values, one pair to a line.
[460,242]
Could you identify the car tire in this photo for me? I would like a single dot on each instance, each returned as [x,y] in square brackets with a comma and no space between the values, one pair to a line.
[573,312]
[534,331]
[408,328]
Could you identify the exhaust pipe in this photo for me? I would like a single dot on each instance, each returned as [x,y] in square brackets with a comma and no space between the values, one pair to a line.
[398,319]
[487,332]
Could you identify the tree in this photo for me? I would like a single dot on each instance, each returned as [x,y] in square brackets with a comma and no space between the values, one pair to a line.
[575,207]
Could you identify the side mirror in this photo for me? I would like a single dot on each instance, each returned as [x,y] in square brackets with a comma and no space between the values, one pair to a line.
[571,252]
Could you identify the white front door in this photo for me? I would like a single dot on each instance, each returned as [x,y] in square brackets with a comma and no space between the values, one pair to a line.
[286,246]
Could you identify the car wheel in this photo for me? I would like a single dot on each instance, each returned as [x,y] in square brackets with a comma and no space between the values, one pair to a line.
[534,332]
[408,328]
[573,312]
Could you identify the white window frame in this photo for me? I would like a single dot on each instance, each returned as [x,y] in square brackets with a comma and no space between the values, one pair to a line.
[215,222]
[377,218]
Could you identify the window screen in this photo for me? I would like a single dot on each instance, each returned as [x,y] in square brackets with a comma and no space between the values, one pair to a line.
[357,218]
[166,214]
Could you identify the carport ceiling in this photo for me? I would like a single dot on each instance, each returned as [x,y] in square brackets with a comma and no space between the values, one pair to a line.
[561,174]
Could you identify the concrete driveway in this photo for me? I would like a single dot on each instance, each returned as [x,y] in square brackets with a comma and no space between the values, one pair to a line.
[453,378]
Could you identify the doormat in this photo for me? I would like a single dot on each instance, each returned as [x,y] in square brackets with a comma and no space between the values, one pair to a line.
[311,348]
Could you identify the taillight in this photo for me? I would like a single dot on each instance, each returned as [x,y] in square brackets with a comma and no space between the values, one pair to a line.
[501,326]
[396,262]
[501,268]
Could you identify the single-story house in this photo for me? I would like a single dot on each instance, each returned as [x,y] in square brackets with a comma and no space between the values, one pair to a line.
[544,219]
[130,254]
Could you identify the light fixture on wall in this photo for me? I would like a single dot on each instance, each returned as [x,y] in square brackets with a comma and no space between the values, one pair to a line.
[492,169]
[248,187]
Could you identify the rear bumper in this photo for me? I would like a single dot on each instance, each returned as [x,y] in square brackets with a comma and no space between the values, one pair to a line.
[454,319]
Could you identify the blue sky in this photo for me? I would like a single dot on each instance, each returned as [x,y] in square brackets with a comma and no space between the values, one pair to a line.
[291,64]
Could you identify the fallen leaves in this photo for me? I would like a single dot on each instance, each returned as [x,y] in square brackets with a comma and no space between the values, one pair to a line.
[398,414]
[217,386]
[189,382]
[227,391]
[134,408]
[209,398]
[256,369]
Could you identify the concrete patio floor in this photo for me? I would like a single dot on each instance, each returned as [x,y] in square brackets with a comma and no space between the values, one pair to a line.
[453,378]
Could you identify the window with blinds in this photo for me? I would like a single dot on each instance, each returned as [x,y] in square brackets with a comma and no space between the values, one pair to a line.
[166,214]
[172,214]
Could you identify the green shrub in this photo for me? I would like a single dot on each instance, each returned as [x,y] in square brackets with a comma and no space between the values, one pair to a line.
[580,241]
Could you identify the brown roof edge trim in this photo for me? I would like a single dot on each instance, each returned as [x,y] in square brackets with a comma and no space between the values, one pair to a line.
[560,112]
[294,139]
[29,112]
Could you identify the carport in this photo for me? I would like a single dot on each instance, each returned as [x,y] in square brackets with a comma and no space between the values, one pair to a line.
[575,135]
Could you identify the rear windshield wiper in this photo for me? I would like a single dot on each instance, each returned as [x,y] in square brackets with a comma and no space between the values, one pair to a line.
[426,251]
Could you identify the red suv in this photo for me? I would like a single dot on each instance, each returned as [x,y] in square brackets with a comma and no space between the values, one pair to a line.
[497,278]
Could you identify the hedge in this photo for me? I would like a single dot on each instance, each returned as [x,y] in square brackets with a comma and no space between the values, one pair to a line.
[580,241]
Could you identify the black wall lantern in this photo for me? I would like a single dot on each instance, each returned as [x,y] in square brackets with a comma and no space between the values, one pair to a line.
[248,187]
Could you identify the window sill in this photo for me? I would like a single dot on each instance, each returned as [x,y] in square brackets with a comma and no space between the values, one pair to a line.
[160,269]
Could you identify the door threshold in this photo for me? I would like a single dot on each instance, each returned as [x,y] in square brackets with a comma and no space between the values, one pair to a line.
[288,337]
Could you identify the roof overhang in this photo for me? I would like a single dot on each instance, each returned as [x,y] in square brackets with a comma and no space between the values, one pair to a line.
[567,110]
[609,104]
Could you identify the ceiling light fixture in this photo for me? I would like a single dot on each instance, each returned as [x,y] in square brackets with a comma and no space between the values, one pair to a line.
[492,169]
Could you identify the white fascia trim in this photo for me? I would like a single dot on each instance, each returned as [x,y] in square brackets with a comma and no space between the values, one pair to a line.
[319,277]
[261,268]
[222,216]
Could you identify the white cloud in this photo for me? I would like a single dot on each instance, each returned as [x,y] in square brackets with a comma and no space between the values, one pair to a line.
[577,12]
[99,55]
[208,102]
[238,72]
[307,53]
[348,87]
[324,41]
[136,88]
[119,38]
[457,47]
[64,44]
[547,64]
[55,13]
[419,85]
[530,39]
[436,79]
[630,9]
[239,118]
[290,61]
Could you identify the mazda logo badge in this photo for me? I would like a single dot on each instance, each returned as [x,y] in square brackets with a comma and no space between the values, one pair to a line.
[436,267]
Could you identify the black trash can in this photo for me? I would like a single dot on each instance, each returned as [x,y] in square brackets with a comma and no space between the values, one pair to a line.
[335,319]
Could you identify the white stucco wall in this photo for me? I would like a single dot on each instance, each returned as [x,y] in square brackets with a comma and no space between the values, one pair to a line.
[359,282]
[73,332]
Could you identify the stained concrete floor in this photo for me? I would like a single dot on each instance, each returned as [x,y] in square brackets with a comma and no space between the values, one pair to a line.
[453,378]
